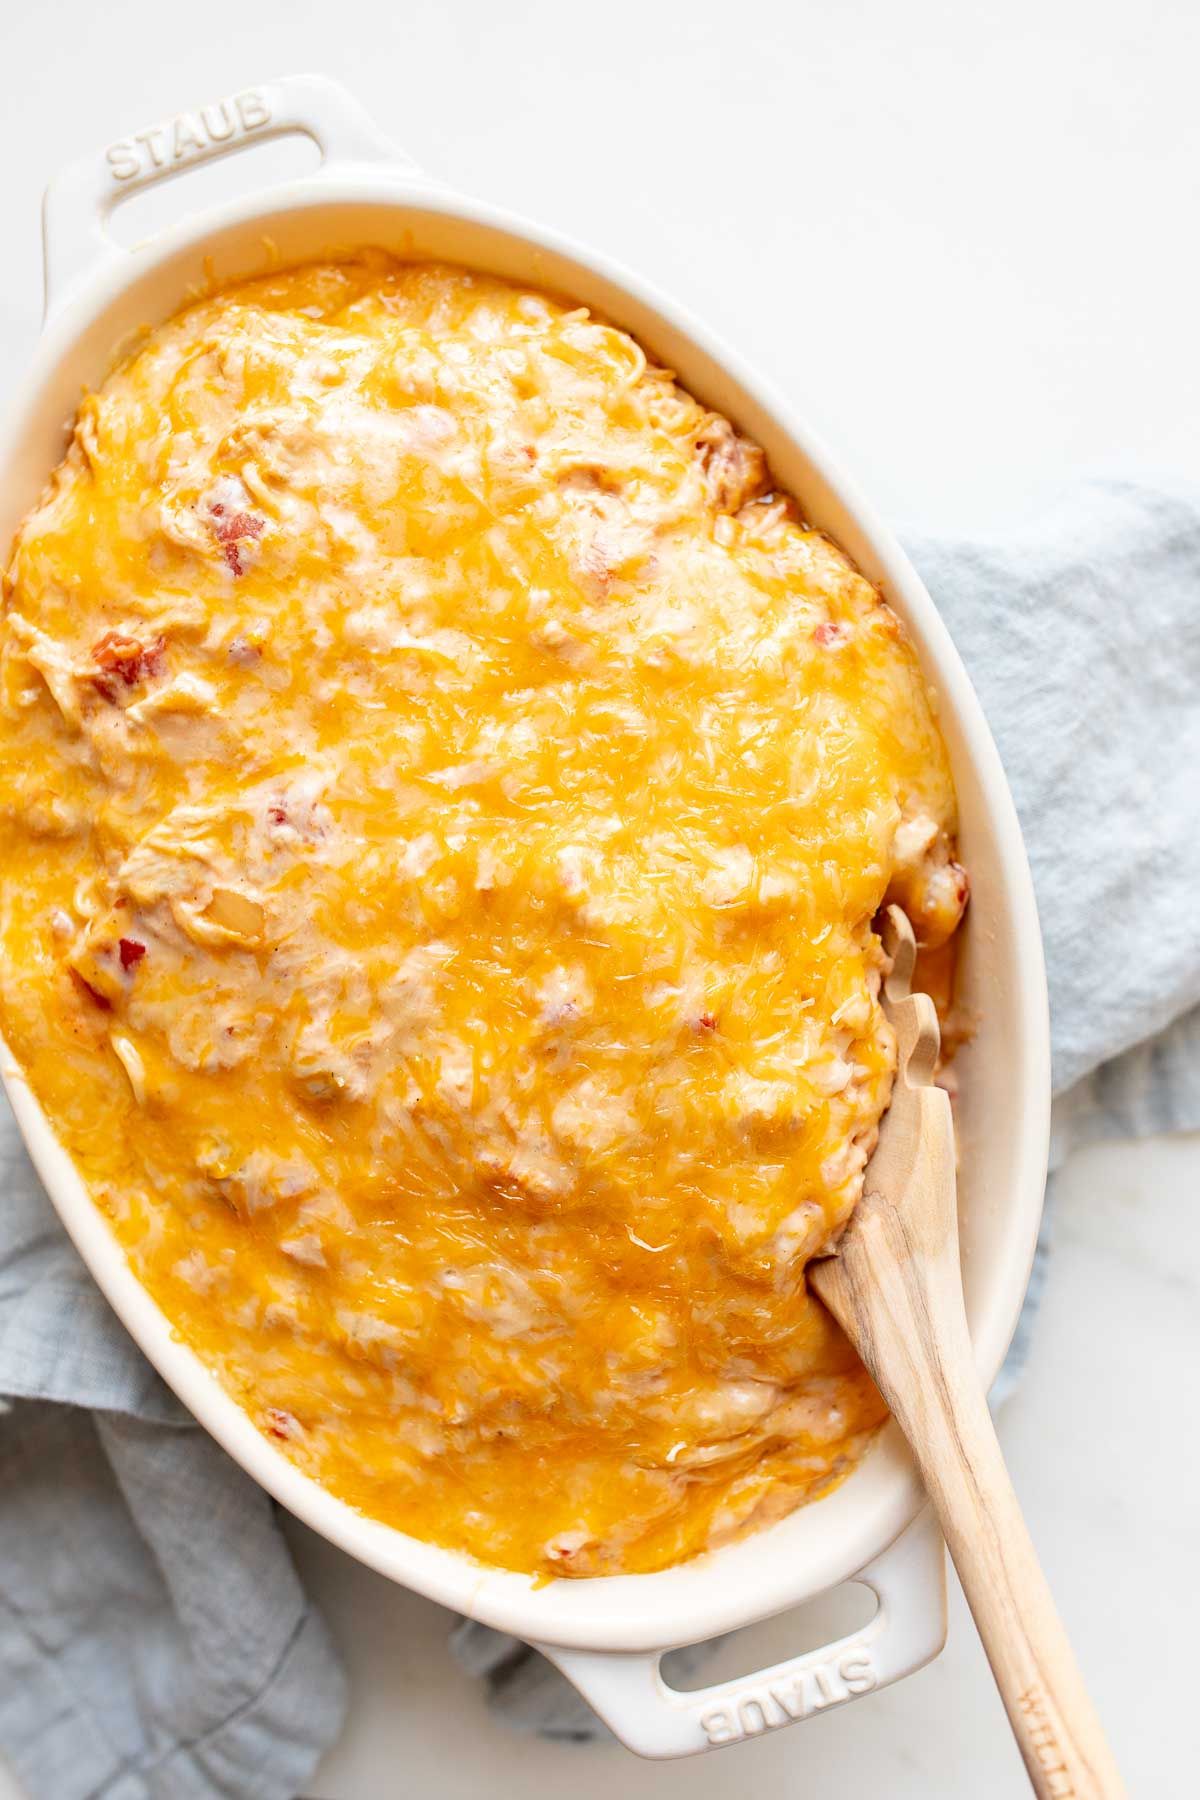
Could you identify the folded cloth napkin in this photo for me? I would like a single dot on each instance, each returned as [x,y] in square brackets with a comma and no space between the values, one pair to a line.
[154,1640]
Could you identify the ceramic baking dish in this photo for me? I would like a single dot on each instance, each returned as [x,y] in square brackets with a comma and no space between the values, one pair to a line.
[608,1635]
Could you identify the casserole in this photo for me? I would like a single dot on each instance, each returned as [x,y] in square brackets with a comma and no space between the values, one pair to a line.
[366,193]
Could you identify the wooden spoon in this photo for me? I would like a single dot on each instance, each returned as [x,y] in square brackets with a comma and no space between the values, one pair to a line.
[895,1286]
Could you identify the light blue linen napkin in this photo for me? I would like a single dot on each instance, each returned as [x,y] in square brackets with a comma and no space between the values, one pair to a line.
[154,1640]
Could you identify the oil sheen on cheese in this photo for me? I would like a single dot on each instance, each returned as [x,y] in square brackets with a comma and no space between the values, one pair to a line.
[445,793]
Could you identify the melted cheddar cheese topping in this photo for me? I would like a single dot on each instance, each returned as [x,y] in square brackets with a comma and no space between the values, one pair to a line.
[444,798]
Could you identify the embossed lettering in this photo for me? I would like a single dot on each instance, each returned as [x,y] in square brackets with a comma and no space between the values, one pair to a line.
[188,137]
[218,121]
[790,1700]
[253,109]
[152,138]
[856,1671]
[752,1717]
[718,1727]
[123,160]
[756,1710]
[827,1694]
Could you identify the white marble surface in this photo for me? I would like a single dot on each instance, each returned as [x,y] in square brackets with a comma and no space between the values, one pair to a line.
[963,238]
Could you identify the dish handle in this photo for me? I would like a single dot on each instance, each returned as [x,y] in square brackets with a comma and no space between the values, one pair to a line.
[80,199]
[907,1631]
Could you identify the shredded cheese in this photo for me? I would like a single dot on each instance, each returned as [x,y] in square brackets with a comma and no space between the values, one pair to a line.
[444,797]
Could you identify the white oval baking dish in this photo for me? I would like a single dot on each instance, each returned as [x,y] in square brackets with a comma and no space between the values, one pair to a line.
[608,1635]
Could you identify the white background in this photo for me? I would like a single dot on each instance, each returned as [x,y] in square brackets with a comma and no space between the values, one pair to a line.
[964,239]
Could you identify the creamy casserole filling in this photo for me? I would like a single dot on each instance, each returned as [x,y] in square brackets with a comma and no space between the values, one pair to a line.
[445,793]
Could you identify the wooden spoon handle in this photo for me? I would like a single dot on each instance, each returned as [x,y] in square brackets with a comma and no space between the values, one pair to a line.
[896,1289]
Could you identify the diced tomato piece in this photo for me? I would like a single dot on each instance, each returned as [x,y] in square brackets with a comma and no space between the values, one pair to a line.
[228,528]
[125,658]
[130,952]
